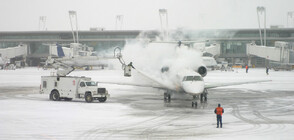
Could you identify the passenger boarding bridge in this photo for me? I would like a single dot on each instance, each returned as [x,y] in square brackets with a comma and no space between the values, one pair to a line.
[281,53]
[12,52]
[20,50]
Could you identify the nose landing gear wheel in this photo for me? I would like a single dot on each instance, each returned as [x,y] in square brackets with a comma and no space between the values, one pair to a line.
[194,101]
[167,97]
[194,104]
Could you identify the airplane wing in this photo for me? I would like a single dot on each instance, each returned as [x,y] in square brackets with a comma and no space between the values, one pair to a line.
[133,84]
[155,83]
[161,84]
[208,86]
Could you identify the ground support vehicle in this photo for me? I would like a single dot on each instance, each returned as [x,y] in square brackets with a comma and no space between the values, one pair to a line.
[70,87]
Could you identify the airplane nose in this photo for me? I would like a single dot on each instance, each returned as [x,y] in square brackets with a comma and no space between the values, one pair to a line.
[195,87]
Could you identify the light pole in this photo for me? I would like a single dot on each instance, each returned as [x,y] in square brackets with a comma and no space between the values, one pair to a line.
[42,22]
[164,28]
[119,22]
[73,14]
[290,19]
[260,10]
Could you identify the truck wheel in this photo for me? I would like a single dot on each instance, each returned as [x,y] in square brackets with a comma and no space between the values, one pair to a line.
[88,98]
[55,95]
[102,99]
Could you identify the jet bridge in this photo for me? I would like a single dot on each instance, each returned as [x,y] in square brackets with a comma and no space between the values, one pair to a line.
[279,53]
[7,53]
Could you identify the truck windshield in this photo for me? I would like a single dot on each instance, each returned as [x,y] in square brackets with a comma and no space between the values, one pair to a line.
[91,83]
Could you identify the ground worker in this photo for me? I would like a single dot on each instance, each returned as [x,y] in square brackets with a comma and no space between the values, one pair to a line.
[219,112]
[246,68]
[131,65]
[267,68]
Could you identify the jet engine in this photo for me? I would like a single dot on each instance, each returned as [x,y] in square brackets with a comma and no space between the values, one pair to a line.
[202,71]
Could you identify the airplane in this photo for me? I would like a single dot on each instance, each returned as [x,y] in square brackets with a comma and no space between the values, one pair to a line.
[184,81]
[76,57]
[187,82]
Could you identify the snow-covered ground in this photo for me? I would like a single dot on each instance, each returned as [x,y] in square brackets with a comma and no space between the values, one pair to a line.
[252,111]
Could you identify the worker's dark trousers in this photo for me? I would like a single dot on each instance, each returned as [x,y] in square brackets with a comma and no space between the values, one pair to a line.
[219,120]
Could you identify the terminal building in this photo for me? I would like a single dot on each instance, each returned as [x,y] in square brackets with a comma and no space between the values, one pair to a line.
[232,42]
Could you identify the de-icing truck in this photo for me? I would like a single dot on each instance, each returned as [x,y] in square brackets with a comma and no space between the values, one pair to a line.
[66,87]
[70,87]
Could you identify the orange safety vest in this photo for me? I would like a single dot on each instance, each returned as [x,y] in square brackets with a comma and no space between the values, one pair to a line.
[219,111]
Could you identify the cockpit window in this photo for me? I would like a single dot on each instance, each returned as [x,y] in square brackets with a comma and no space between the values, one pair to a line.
[192,78]
[198,78]
[189,78]
[92,83]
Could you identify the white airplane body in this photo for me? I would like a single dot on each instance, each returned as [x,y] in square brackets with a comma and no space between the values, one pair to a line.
[184,80]
[192,83]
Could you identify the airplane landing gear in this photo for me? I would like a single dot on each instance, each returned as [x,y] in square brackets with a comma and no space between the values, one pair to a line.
[167,97]
[194,102]
[203,96]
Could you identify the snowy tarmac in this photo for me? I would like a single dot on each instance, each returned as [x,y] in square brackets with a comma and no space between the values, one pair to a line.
[252,111]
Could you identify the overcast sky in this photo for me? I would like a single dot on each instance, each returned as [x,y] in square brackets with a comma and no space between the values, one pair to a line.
[23,15]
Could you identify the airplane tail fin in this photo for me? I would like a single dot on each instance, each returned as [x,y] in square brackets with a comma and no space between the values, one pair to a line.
[60,51]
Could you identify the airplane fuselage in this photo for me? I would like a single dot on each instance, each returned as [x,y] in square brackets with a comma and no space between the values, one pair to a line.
[189,82]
